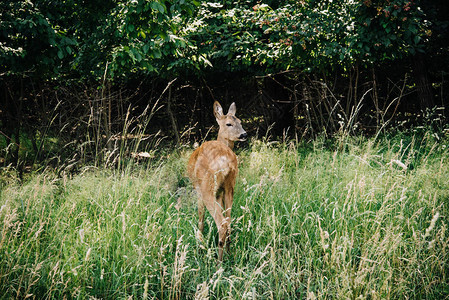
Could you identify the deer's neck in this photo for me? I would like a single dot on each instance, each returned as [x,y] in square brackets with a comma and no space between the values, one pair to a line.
[227,142]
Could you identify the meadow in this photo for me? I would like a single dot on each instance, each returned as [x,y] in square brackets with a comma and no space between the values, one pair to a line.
[352,218]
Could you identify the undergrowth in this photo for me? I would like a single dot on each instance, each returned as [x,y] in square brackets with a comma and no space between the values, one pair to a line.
[365,219]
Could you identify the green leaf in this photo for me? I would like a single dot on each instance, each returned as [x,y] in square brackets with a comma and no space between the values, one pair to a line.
[137,55]
[417,39]
[145,48]
[157,53]
[60,54]
[157,6]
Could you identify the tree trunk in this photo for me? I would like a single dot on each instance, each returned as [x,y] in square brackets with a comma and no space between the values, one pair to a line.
[172,116]
[423,86]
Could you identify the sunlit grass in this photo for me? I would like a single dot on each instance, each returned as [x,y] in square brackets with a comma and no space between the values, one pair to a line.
[368,220]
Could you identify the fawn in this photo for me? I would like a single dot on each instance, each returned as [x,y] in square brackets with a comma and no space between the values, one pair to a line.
[212,168]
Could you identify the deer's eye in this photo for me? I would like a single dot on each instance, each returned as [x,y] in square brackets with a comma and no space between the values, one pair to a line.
[228,124]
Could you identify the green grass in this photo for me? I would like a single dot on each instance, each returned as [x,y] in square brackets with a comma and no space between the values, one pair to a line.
[309,221]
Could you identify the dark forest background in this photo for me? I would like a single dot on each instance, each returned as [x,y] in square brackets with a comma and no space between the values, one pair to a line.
[84,81]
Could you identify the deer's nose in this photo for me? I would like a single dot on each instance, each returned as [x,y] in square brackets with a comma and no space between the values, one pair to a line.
[243,136]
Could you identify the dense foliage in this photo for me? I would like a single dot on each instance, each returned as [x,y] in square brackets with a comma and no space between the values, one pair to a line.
[309,35]
[56,38]
[44,36]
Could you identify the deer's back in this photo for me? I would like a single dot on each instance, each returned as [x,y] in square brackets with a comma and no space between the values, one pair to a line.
[213,160]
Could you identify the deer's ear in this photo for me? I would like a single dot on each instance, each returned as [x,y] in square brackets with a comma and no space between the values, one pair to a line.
[232,109]
[218,110]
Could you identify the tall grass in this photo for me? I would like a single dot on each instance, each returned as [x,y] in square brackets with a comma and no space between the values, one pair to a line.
[366,220]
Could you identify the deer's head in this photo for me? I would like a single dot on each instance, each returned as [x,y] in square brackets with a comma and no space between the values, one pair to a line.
[230,126]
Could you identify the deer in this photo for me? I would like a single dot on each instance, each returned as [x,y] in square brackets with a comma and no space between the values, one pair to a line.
[213,169]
